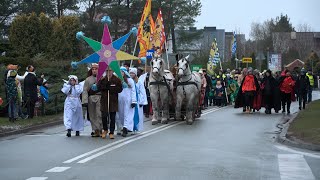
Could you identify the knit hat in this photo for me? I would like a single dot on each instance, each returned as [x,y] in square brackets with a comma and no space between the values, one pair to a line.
[134,71]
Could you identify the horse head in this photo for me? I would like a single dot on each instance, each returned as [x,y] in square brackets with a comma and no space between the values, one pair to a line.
[183,66]
[157,64]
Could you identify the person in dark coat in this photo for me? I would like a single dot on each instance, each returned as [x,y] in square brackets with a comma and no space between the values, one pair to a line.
[302,86]
[30,90]
[208,88]
[247,92]
[110,86]
[268,92]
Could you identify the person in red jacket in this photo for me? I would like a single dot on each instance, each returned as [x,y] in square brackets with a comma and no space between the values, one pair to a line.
[248,90]
[287,88]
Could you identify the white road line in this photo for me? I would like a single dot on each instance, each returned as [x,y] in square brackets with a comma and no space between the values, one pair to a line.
[132,140]
[284,148]
[37,178]
[294,166]
[58,169]
[111,144]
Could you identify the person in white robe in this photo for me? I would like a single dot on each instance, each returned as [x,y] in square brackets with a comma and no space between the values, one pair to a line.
[72,115]
[127,101]
[141,101]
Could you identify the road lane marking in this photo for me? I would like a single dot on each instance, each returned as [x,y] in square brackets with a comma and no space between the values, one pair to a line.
[284,148]
[37,178]
[132,140]
[294,166]
[58,169]
[112,144]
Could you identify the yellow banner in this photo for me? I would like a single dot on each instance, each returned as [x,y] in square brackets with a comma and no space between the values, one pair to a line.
[145,29]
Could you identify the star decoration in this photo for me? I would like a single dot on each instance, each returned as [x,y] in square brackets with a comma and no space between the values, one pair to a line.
[107,53]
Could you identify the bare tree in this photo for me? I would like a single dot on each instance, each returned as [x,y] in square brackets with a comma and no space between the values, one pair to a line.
[304,28]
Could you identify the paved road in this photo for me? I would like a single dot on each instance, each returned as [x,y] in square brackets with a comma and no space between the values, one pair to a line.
[222,144]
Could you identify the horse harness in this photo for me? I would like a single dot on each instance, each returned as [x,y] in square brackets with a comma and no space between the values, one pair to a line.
[185,83]
[163,82]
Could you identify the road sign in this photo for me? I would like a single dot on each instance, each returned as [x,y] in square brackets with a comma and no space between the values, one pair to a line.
[149,54]
[246,60]
[196,67]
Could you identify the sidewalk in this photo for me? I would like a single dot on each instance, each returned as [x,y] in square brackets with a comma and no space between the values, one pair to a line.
[25,125]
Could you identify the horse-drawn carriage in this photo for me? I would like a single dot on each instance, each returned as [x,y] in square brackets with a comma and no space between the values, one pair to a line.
[176,93]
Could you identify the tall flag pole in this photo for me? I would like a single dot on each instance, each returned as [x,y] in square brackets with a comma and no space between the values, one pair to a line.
[159,35]
[145,29]
[234,45]
[234,48]
[214,57]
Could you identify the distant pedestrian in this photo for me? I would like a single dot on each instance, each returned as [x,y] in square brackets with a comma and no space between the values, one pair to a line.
[268,92]
[44,91]
[30,96]
[219,93]
[287,90]
[247,92]
[303,86]
[313,83]
[12,94]
[72,115]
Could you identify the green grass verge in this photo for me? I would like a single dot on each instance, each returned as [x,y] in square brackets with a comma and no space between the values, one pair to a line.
[6,125]
[306,126]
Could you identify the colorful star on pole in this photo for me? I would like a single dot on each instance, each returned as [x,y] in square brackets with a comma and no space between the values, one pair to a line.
[107,53]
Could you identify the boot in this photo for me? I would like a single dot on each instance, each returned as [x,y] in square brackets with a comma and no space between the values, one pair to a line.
[77,133]
[69,133]
[124,132]
[96,133]
[111,136]
[104,134]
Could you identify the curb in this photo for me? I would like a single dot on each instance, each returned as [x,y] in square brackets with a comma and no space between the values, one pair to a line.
[32,128]
[284,139]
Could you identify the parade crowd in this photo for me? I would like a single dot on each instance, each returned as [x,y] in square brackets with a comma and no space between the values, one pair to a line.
[110,103]
[34,90]
[253,90]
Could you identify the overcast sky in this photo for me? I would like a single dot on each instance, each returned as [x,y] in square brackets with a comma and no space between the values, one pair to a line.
[237,15]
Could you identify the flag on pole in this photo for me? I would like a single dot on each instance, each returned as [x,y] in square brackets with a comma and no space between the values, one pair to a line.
[234,45]
[159,36]
[145,29]
[214,57]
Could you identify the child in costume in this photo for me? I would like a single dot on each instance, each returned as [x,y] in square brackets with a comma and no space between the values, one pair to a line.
[219,90]
[72,116]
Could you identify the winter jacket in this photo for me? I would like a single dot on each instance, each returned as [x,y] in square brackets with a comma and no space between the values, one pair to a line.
[303,84]
[287,84]
[30,87]
[111,87]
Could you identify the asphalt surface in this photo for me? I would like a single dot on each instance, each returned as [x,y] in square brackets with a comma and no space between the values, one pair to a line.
[223,144]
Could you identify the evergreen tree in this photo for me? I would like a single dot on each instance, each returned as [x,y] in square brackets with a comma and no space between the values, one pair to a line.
[45,32]
[24,35]
[59,47]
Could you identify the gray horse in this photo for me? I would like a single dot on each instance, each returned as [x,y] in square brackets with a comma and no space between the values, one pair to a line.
[188,90]
[160,87]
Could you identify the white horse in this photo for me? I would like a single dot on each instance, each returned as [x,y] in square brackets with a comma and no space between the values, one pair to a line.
[188,90]
[160,87]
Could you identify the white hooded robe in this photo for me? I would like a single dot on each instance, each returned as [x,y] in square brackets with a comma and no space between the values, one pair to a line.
[125,112]
[72,116]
